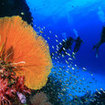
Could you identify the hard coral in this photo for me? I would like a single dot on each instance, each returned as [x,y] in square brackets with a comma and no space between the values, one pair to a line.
[40,99]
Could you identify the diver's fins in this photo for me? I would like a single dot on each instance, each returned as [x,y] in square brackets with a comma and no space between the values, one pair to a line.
[97,56]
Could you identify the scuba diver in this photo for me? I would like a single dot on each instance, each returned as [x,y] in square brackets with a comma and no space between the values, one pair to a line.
[101,16]
[66,45]
[102,40]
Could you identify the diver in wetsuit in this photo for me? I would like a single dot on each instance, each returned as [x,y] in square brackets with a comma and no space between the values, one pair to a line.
[102,40]
[66,45]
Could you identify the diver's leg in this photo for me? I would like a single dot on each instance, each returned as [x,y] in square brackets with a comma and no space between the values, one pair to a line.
[60,51]
[97,52]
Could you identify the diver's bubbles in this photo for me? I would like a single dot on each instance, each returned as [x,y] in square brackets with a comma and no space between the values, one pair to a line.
[76,33]
[101,14]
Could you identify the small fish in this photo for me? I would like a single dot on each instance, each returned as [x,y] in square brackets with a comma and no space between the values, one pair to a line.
[41,31]
[22,13]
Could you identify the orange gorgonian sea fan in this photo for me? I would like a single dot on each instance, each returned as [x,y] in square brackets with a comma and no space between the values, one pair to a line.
[27,52]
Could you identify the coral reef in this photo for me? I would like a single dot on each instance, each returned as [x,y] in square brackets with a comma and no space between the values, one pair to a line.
[53,89]
[40,99]
[10,84]
[25,61]
[99,98]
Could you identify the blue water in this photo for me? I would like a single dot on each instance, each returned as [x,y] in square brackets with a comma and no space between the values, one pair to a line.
[64,15]
[60,17]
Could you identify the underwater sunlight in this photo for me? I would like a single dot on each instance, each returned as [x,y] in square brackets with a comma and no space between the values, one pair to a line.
[52,52]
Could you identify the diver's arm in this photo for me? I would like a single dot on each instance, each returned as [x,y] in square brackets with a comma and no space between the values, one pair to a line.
[97,45]
[76,33]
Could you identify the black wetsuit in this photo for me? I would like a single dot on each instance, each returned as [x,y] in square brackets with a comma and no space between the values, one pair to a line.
[78,42]
[66,45]
[15,7]
[102,40]
[103,36]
